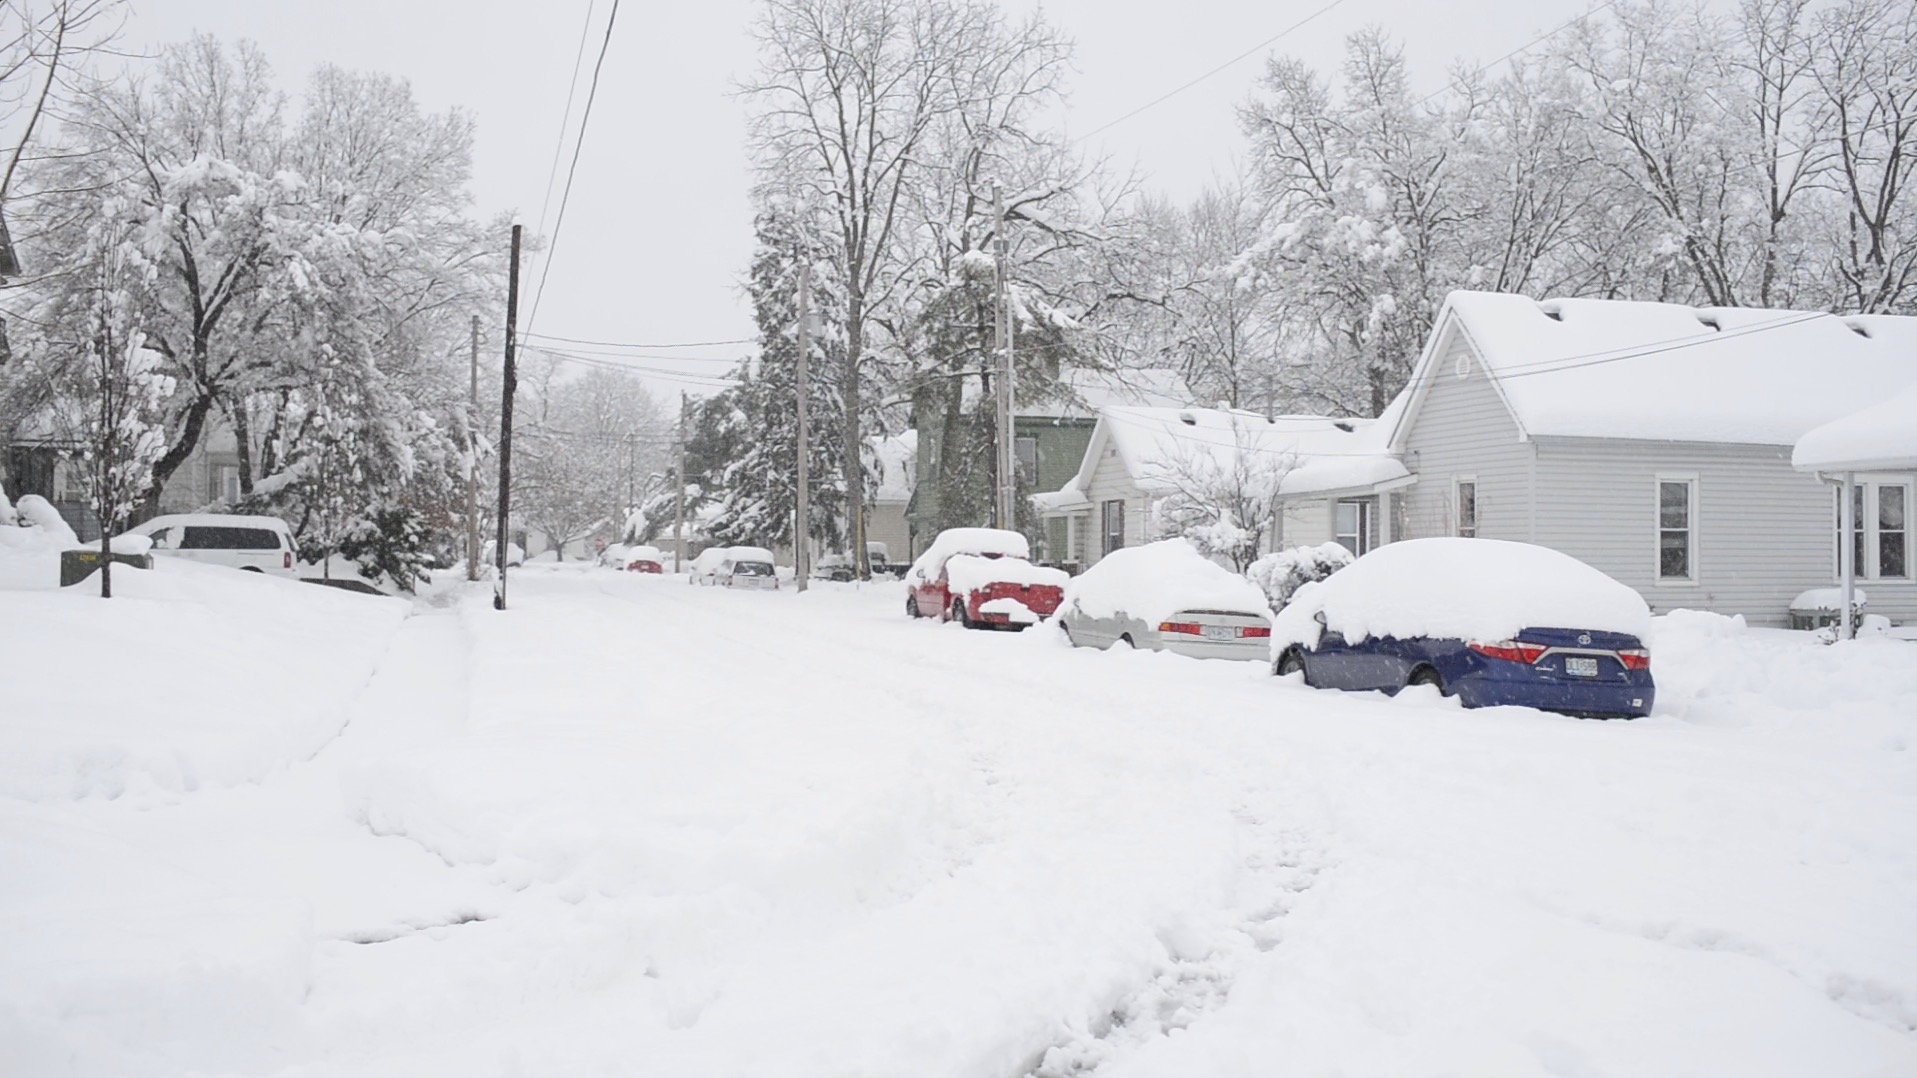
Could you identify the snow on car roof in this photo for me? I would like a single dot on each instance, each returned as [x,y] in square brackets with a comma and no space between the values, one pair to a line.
[643,553]
[1463,589]
[1154,581]
[749,553]
[981,541]
[1880,437]
[212,520]
[1664,371]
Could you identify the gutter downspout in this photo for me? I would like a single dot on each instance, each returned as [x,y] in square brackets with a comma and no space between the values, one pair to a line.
[1847,556]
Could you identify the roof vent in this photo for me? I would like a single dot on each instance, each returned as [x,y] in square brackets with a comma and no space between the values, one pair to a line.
[1858,328]
[1188,419]
[1552,310]
[1708,319]
[1343,425]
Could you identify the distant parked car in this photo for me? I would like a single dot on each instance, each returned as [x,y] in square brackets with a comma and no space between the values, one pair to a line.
[982,578]
[704,568]
[1486,621]
[253,543]
[748,567]
[643,559]
[836,567]
[1167,597]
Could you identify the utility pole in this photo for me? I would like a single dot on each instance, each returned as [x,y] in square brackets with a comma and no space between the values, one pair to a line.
[509,386]
[801,536]
[1007,485]
[679,503]
[472,467]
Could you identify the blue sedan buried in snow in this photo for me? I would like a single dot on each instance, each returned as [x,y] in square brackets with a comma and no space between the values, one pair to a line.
[1487,622]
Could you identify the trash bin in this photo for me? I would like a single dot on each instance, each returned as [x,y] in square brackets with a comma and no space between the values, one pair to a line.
[77,565]
[1817,608]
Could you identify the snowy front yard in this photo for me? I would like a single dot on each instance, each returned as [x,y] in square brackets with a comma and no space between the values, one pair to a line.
[631,827]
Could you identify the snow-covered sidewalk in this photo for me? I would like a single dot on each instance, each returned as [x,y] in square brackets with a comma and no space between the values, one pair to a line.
[635,827]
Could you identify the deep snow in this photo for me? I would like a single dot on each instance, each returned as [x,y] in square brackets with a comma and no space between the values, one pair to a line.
[631,827]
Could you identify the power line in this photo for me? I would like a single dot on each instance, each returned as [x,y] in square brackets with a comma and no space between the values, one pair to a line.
[565,119]
[1168,95]
[565,196]
[626,344]
[1547,35]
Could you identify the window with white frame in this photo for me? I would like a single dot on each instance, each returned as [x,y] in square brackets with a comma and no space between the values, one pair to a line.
[1882,544]
[1676,528]
[1353,525]
[1112,524]
[1467,502]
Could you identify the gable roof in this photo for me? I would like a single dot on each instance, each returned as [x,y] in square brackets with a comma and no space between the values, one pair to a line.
[1667,372]
[1157,445]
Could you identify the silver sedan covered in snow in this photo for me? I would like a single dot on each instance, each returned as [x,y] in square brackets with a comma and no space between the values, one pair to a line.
[1167,597]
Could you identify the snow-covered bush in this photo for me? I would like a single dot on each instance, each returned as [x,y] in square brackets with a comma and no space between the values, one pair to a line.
[8,518]
[1283,572]
[37,512]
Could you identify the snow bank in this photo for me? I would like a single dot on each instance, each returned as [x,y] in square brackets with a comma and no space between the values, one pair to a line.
[1154,581]
[967,572]
[967,541]
[190,676]
[1467,589]
[37,512]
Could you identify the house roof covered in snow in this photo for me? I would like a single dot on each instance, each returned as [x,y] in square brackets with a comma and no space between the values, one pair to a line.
[1082,393]
[1667,372]
[1161,447]
[1881,437]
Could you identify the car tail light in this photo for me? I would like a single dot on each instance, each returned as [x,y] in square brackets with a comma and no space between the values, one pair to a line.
[1515,651]
[1189,628]
[286,562]
[1260,632]
[1634,658]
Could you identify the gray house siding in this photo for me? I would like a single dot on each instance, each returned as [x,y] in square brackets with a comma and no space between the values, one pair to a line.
[1763,532]
[1463,430]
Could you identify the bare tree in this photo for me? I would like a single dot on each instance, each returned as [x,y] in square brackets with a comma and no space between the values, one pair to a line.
[1866,67]
[42,46]
[1224,494]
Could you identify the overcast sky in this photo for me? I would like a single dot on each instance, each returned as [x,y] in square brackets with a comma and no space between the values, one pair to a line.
[658,231]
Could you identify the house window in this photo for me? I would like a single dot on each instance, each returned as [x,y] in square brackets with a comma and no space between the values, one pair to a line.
[1025,448]
[1112,524]
[1468,508]
[1882,543]
[1354,525]
[223,483]
[1676,529]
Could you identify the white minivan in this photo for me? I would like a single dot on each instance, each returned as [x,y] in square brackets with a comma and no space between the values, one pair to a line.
[256,544]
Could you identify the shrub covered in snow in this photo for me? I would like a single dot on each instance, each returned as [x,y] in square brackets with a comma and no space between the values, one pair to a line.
[37,512]
[1283,572]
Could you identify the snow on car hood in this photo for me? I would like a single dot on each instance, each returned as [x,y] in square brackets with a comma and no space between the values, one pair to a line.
[1153,582]
[1464,589]
[969,572]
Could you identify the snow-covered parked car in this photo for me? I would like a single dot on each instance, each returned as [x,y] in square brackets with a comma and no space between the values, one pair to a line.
[982,578]
[1166,596]
[642,559]
[704,567]
[748,567]
[253,543]
[1487,621]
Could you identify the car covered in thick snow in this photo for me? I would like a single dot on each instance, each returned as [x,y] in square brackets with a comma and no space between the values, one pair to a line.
[982,578]
[643,559]
[704,566]
[748,567]
[1486,621]
[1166,596]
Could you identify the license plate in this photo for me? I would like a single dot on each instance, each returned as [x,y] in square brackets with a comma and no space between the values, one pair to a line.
[1218,632]
[1580,666]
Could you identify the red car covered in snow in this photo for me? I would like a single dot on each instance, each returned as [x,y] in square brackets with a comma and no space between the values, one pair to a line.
[644,559]
[982,578]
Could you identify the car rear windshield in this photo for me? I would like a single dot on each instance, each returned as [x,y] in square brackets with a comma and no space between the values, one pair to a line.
[752,568]
[201,537]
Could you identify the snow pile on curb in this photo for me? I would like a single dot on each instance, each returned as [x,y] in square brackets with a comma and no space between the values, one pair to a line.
[1154,581]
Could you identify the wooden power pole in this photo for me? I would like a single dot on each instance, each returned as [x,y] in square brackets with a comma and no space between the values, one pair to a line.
[802,533]
[679,503]
[509,386]
[1007,486]
[472,466]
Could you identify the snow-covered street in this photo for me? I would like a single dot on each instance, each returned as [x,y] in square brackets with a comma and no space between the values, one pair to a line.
[636,827]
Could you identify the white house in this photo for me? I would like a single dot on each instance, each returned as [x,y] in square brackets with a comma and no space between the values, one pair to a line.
[1654,442]
[1329,474]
